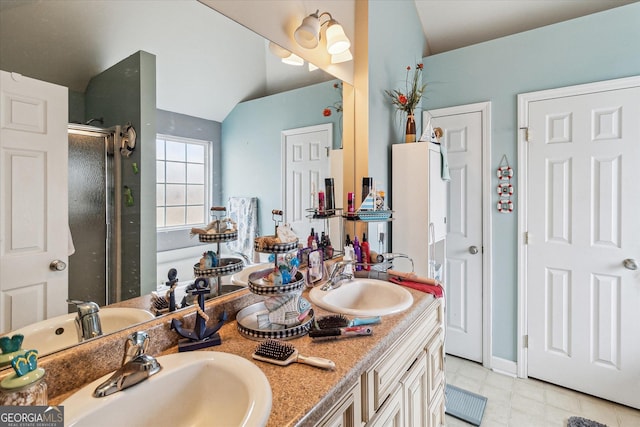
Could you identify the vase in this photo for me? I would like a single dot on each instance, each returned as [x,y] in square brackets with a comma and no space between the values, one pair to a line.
[410,132]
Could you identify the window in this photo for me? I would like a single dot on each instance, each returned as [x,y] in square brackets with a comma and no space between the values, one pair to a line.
[183,182]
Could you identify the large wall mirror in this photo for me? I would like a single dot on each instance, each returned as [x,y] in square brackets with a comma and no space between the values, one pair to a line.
[213,78]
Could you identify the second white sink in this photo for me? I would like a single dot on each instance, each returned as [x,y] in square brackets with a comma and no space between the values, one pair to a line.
[60,332]
[201,388]
[363,297]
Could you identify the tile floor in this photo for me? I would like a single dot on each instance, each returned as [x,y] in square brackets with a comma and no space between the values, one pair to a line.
[517,402]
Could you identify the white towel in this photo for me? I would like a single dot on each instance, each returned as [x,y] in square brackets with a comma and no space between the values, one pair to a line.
[244,211]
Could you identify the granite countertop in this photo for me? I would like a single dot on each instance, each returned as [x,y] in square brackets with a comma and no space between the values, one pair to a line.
[302,394]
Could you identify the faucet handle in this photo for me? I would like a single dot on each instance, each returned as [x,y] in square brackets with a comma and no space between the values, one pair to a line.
[135,345]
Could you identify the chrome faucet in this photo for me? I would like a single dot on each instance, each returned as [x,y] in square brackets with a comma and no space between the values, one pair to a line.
[137,366]
[338,274]
[87,321]
[385,261]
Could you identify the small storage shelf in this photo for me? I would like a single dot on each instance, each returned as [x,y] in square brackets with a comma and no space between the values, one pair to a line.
[284,313]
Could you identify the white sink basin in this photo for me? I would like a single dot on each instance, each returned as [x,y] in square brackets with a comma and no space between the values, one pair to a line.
[202,388]
[60,332]
[242,278]
[363,297]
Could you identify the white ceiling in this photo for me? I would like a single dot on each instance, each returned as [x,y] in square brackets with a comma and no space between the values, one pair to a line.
[206,63]
[451,24]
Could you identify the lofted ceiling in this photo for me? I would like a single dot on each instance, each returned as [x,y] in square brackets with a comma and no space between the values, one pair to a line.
[207,63]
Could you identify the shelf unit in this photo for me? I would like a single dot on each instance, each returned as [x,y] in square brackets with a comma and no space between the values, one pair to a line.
[419,197]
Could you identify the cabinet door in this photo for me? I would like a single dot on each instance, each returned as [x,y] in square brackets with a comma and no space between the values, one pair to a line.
[437,196]
[414,387]
[391,413]
[435,364]
[436,417]
[410,202]
[346,412]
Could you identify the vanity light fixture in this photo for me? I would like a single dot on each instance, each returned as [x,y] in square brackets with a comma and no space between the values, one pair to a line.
[308,34]
[284,55]
[293,59]
[342,57]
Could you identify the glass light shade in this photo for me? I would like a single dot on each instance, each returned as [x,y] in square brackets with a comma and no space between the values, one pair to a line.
[341,57]
[293,59]
[307,33]
[278,50]
[337,41]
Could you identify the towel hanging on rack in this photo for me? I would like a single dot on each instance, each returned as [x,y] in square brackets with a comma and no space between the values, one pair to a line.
[244,211]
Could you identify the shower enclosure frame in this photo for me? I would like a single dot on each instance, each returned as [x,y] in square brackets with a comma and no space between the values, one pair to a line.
[112,208]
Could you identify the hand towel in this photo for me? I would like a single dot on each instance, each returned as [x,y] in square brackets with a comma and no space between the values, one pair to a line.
[435,290]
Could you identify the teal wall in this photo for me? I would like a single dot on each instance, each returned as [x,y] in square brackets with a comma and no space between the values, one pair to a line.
[597,47]
[252,142]
[126,92]
[391,50]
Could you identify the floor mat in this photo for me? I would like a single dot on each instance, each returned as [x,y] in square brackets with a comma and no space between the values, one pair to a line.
[583,422]
[464,405]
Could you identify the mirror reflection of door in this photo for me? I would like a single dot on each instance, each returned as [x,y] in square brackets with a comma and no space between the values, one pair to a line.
[306,167]
[34,233]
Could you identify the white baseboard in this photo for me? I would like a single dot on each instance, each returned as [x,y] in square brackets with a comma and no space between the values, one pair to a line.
[504,366]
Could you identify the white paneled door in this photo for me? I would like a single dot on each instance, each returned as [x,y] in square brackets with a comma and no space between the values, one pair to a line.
[464,287]
[33,200]
[306,164]
[583,224]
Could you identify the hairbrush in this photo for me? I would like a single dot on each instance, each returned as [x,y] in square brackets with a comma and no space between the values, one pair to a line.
[341,321]
[283,354]
[336,333]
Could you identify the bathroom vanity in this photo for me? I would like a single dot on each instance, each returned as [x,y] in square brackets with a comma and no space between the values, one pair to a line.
[395,376]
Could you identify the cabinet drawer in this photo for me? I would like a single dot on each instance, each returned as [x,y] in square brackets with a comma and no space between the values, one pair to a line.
[387,373]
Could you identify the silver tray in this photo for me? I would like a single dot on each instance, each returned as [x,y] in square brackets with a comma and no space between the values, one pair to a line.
[258,286]
[276,248]
[225,267]
[218,237]
[247,323]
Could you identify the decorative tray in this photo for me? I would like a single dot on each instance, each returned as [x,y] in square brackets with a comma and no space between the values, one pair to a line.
[381,215]
[259,286]
[275,248]
[247,321]
[328,213]
[218,237]
[225,266]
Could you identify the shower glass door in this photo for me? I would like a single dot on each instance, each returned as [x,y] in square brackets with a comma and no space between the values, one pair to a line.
[91,214]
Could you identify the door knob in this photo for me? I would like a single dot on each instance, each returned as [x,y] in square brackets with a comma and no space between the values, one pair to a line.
[57,265]
[473,250]
[630,264]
